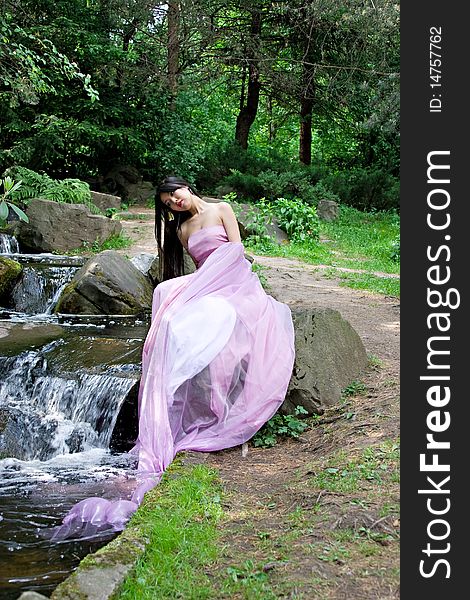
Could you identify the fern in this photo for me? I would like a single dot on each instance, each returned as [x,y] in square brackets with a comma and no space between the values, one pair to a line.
[40,185]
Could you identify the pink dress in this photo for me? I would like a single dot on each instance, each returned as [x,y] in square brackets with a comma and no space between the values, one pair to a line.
[216,365]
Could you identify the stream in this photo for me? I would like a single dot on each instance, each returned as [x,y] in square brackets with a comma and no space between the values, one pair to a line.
[68,391]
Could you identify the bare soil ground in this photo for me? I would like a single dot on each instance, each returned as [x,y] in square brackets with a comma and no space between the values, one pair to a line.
[317,517]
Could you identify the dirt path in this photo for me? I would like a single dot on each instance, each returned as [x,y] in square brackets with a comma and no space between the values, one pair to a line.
[325,537]
[318,517]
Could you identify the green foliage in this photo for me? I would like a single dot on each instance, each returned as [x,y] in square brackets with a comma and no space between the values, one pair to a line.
[226,159]
[111,211]
[282,179]
[321,191]
[281,426]
[246,185]
[353,389]
[40,185]
[366,188]
[289,183]
[53,120]
[395,250]
[296,218]
[9,189]
[26,62]
[247,573]
[114,242]
[375,464]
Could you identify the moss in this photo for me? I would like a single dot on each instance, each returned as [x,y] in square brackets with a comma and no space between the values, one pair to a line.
[67,290]
[10,270]
[69,590]
[123,550]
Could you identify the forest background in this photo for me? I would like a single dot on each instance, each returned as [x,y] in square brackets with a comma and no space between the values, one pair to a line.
[292,101]
[267,98]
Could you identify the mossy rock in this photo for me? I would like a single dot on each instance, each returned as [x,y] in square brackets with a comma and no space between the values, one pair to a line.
[107,284]
[10,270]
[329,354]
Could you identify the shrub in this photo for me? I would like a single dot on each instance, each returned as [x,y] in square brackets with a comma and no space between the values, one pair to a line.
[365,189]
[281,426]
[245,184]
[321,192]
[40,185]
[287,184]
[296,218]
[221,162]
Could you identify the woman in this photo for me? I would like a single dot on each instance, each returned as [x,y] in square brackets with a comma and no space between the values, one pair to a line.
[219,353]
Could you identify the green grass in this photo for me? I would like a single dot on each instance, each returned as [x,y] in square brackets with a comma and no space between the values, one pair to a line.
[114,242]
[128,216]
[356,240]
[389,286]
[179,518]
[363,240]
[375,464]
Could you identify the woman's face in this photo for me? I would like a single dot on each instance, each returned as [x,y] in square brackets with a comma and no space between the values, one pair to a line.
[178,200]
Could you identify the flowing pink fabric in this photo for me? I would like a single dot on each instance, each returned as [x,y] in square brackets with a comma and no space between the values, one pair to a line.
[216,365]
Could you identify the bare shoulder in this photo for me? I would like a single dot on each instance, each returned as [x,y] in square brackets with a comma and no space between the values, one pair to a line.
[225,209]
[229,221]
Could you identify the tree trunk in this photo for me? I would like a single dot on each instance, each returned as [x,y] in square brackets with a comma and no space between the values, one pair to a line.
[272,124]
[248,109]
[173,47]
[305,148]
[126,40]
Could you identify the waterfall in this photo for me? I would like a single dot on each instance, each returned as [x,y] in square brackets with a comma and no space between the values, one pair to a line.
[68,408]
[41,282]
[8,244]
[48,414]
[40,287]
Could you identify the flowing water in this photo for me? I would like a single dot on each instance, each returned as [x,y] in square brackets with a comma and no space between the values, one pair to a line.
[41,282]
[8,244]
[68,388]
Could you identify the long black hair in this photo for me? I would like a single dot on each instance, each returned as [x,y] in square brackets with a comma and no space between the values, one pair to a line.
[167,224]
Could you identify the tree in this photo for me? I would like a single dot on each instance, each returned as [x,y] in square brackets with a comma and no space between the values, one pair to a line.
[249,104]
[27,61]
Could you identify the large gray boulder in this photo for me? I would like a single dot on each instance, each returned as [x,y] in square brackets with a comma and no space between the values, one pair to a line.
[104,201]
[107,284]
[329,356]
[57,226]
[328,210]
[148,264]
[141,192]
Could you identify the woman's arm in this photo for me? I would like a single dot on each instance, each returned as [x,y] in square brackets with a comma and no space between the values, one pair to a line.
[230,222]
[182,236]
